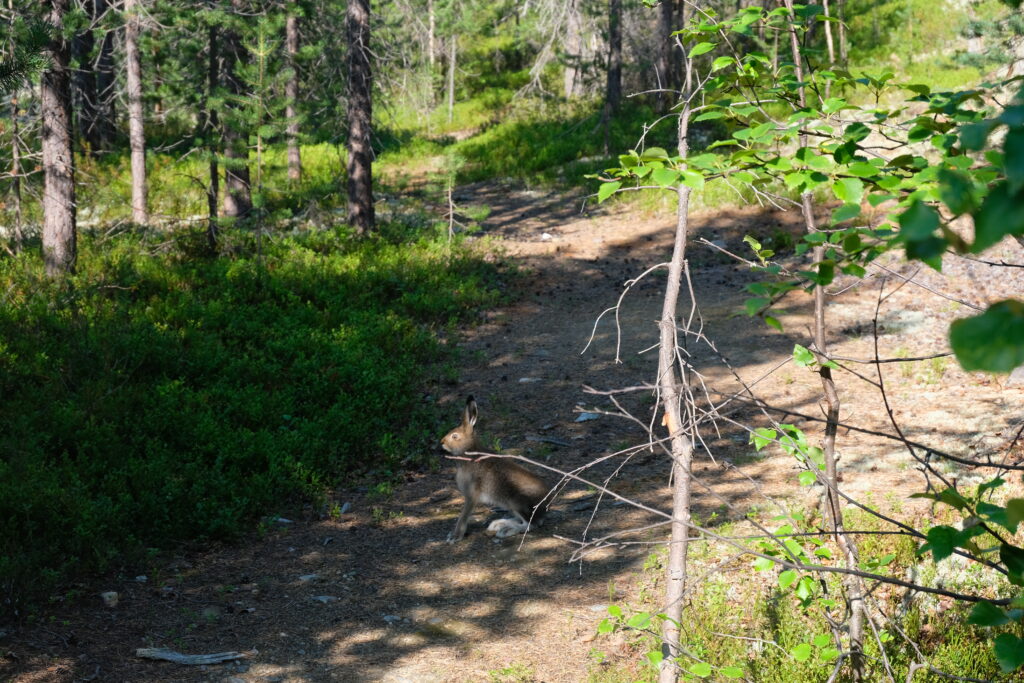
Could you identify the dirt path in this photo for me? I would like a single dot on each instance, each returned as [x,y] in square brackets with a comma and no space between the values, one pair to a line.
[377,595]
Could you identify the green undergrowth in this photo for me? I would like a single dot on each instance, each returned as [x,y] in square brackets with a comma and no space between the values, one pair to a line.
[159,396]
[738,617]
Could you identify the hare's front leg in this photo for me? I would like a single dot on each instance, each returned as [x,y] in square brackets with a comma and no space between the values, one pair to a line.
[460,526]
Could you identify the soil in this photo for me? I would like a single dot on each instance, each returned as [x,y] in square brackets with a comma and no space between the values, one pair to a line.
[376,594]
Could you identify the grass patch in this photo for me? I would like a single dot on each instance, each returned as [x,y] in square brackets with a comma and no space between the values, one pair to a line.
[158,397]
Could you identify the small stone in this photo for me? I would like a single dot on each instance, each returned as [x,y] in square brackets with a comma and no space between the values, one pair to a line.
[546,236]
[110,598]
[211,613]
[345,508]
[391,618]
[586,417]
[282,520]
[435,620]
[141,578]
[306,578]
[325,599]
[598,608]
[529,380]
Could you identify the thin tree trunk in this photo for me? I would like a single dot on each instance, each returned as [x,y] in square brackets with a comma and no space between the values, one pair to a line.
[237,186]
[674,389]
[829,46]
[60,248]
[452,53]
[431,33]
[17,238]
[210,133]
[853,586]
[291,46]
[843,53]
[613,95]
[106,128]
[360,118]
[85,97]
[136,132]
[572,51]
[663,63]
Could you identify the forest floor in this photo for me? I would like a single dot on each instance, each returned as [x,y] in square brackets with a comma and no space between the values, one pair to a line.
[376,594]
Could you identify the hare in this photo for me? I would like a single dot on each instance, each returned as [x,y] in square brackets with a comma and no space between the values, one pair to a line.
[493,481]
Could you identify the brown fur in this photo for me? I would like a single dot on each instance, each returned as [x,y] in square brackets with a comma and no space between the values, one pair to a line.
[493,481]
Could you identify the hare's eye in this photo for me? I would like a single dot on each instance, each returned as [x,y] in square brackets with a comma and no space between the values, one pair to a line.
[455,437]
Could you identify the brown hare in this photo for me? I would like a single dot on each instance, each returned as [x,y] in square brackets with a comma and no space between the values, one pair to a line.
[493,481]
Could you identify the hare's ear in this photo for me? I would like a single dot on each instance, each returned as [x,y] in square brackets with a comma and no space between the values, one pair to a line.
[471,412]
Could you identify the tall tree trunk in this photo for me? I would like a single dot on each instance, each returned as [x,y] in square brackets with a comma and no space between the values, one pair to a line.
[17,237]
[452,54]
[60,248]
[237,186]
[573,46]
[853,586]
[85,96]
[613,95]
[663,62]
[291,93]
[211,134]
[843,55]
[431,33]
[360,118]
[136,131]
[106,116]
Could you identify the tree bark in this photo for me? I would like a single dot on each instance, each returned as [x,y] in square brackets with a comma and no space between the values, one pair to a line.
[17,236]
[85,97]
[210,133]
[291,90]
[673,389]
[360,118]
[237,185]
[452,55]
[571,74]
[106,115]
[431,32]
[663,62]
[136,130]
[613,95]
[60,248]
[854,588]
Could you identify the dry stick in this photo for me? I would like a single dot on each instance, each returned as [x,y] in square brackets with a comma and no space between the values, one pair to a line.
[854,588]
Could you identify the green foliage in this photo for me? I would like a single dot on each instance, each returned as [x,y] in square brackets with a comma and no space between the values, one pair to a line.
[156,398]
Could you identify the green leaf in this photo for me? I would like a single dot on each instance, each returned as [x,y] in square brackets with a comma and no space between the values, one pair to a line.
[848,190]
[862,169]
[701,48]
[1001,214]
[654,153]
[941,541]
[956,191]
[1013,558]
[607,189]
[828,654]
[845,213]
[606,626]
[992,341]
[709,115]
[615,610]
[701,669]
[639,621]
[692,179]
[918,222]
[665,176]
[801,652]
[1009,651]
[772,321]
[807,478]
[721,62]
[822,640]
[802,356]
[787,578]
[987,614]
[974,135]
[805,588]
[1015,510]
[763,563]
[755,305]
[654,657]
[731,672]
[762,436]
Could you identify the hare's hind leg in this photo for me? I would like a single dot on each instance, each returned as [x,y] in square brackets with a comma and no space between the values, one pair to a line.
[460,526]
